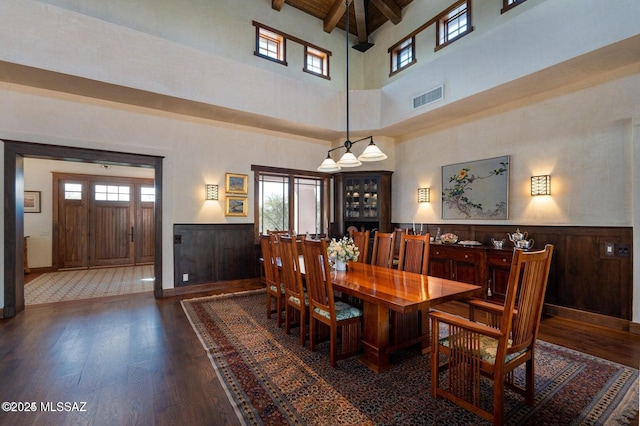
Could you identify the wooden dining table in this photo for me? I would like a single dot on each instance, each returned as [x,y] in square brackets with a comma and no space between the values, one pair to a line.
[383,290]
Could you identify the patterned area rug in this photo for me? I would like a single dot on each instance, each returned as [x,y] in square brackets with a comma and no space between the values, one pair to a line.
[270,379]
[88,283]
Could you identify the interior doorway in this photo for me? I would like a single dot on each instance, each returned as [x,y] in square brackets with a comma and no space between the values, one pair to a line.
[101,220]
[15,152]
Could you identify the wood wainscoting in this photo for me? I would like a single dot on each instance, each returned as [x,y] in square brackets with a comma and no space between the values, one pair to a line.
[591,273]
[214,253]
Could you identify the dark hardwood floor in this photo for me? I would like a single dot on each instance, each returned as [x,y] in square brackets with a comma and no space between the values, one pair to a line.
[135,360]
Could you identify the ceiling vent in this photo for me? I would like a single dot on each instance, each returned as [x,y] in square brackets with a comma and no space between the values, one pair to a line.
[429,97]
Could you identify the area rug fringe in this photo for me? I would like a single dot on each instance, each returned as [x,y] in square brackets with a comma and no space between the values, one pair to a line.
[247,350]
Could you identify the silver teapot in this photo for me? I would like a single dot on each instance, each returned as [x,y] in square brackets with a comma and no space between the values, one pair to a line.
[519,239]
[517,236]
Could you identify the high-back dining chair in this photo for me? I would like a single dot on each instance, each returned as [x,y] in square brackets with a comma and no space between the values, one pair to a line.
[397,233]
[275,288]
[382,254]
[411,327]
[361,240]
[324,309]
[472,349]
[296,300]
[414,253]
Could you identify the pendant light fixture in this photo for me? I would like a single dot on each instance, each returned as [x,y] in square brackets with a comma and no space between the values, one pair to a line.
[348,159]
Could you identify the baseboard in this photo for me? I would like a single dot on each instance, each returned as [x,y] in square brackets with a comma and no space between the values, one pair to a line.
[41,270]
[217,287]
[591,318]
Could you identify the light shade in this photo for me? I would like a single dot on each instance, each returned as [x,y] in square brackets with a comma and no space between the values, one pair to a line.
[424,195]
[328,165]
[541,185]
[348,160]
[212,192]
[372,153]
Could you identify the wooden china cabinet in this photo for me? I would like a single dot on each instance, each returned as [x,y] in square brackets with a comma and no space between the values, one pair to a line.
[362,199]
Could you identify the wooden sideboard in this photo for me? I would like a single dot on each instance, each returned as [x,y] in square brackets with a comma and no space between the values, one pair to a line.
[481,265]
[591,276]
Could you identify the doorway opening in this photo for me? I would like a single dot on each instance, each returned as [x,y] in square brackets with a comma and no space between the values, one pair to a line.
[15,152]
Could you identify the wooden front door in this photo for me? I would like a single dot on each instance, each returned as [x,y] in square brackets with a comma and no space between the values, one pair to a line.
[103,221]
[111,218]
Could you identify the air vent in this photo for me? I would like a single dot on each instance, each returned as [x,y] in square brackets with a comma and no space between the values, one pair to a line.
[431,96]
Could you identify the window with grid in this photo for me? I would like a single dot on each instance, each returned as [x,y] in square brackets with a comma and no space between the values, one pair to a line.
[290,201]
[148,194]
[270,45]
[112,193]
[73,191]
[316,62]
[510,4]
[402,55]
[454,23]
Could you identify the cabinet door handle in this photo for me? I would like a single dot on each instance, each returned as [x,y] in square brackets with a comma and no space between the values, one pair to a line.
[437,252]
[504,260]
[466,256]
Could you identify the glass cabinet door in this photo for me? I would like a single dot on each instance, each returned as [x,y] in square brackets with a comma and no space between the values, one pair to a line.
[361,198]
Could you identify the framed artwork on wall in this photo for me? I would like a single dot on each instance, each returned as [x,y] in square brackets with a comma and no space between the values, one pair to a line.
[32,201]
[236,206]
[237,184]
[476,189]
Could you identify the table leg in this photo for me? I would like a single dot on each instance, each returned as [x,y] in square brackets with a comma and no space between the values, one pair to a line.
[375,337]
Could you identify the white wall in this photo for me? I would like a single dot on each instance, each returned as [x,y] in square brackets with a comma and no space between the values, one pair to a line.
[582,139]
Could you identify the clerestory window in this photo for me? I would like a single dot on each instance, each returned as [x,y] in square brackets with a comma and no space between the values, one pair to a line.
[271,45]
[402,55]
[454,23]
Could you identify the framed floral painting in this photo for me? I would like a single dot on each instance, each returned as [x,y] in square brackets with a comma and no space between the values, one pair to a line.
[476,190]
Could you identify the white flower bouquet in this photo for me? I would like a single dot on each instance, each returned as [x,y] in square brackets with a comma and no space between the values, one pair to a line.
[342,250]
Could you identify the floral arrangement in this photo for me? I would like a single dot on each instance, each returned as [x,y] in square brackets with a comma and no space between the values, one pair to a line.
[343,250]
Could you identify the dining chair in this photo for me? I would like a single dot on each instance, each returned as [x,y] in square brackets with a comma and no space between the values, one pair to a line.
[383,244]
[361,240]
[472,349]
[411,327]
[414,253]
[324,309]
[296,306]
[275,288]
[398,232]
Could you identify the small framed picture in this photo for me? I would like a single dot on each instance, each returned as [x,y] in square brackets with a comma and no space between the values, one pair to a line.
[236,206]
[237,184]
[32,201]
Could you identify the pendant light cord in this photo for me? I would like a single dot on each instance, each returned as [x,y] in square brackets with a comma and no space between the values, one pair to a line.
[347,59]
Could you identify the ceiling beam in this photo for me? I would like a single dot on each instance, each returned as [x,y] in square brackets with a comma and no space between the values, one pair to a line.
[390,9]
[361,21]
[277,4]
[334,15]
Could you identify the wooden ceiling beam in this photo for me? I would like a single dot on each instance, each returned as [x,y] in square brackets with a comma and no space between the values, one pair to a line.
[390,9]
[334,15]
[361,21]
[277,4]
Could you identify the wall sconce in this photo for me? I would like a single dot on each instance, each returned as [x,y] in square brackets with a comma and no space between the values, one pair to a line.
[541,185]
[424,195]
[212,192]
